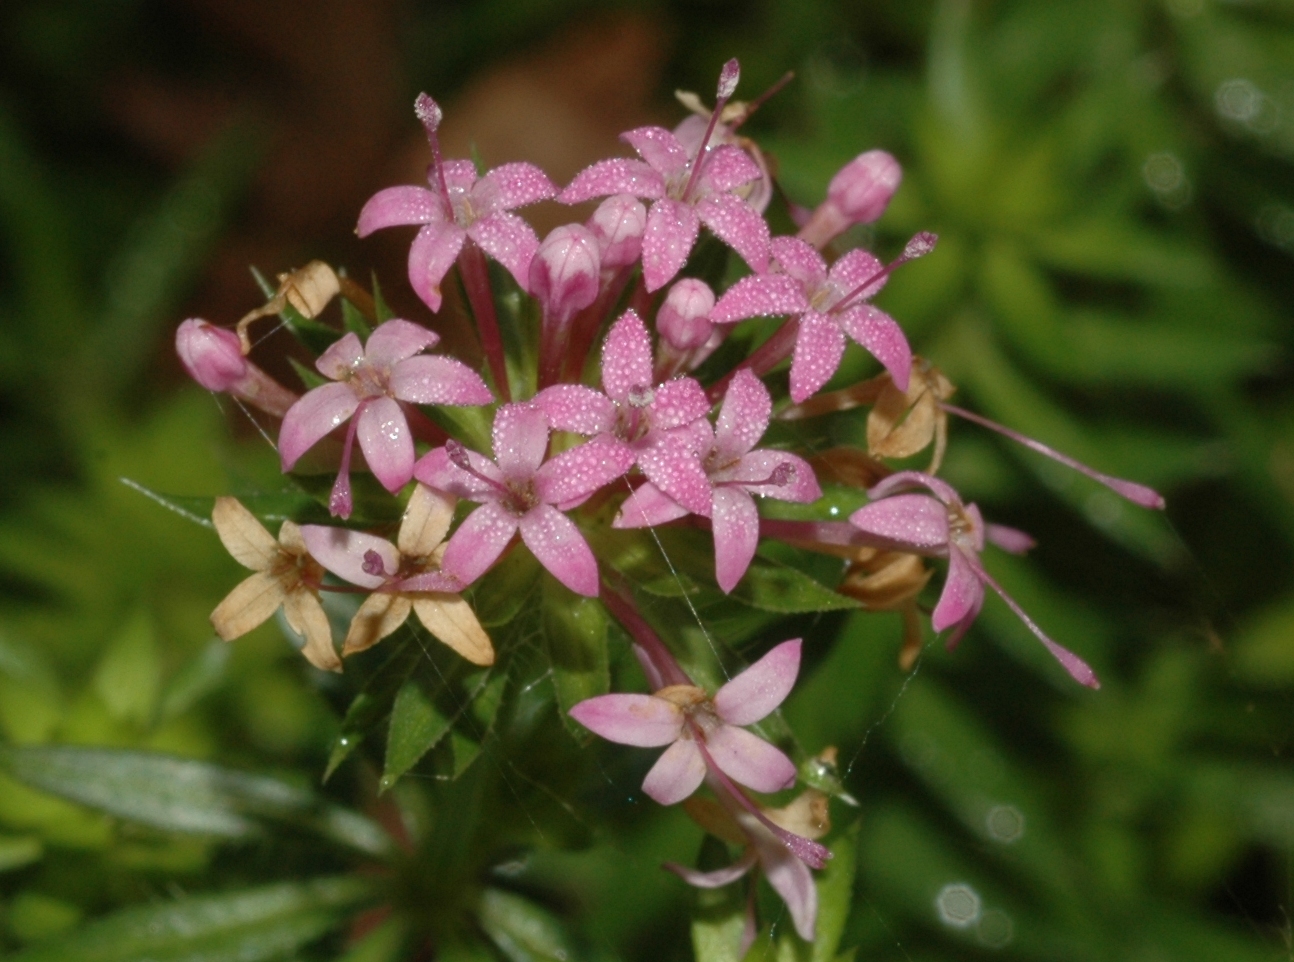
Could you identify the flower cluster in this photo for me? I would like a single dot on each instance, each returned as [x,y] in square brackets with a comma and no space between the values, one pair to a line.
[681,418]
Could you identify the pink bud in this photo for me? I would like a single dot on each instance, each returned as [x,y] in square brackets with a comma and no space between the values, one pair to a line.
[618,225]
[564,272]
[858,194]
[684,319]
[211,355]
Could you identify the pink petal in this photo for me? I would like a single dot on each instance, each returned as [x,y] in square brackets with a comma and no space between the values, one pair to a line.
[511,185]
[735,223]
[801,262]
[574,475]
[743,419]
[719,877]
[748,759]
[431,255]
[910,520]
[435,470]
[478,542]
[819,346]
[341,357]
[343,552]
[792,880]
[963,591]
[626,357]
[438,380]
[677,773]
[1009,539]
[557,543]
[648,507]
[384,437]
[757,473]
[399,205]
[763,686]
[736,535]
[673,466]
[509,240]
[460,176]
[671,233]
[576,408]
[618,175]
[313,415]
[678,403]
[760,294]
[396,340]
[855,268]
[520,436]
[660,148]
[882,336]
[727,167]
[641,720]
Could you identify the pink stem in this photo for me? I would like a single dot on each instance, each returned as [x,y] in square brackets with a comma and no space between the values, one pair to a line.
[623,610]
[476,281]
[766,357]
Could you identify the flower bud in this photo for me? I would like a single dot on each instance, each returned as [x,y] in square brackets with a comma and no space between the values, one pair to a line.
[564,272]
[211,355]
[858,194]
[618,225]
[684,319]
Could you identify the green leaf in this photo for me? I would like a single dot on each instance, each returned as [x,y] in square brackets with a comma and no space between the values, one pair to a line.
[128,677]
[835,894]
[384,944]
[522,930]
[373,703]
[502,593]
[575,632]
[417,725]
[182,795]
[466,738]
[771,586]
[248,926]
[20,850]
[719,918]
[198,678]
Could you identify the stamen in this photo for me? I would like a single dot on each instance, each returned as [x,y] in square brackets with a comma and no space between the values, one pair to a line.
[640,396]
[340,502]
[457,455]
[373,564]
[429,112]
[919,246]
[1136,493]
[728,78]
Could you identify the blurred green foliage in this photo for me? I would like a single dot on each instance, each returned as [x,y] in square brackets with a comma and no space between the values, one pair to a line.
[1113,187]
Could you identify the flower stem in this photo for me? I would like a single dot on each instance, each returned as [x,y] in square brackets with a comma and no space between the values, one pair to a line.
[623,610]
[766,357]
[476,281]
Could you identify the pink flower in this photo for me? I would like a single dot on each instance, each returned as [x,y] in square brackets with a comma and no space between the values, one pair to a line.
[858,194]
[943,526]
[632,411]
[523,492]
[717,475]
[702,731]
[459,206]
[686,189]
[369,383]
[829,305]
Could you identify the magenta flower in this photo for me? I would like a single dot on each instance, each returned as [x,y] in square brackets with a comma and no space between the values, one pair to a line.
[370,381]
[459,205]
[702,731]
[829,304]
[717,475]
[632,411]
[686,189]
[523,492]
[943,526]
[858,194]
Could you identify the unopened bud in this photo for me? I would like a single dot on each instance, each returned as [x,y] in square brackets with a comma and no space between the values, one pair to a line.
[618,225]
[211,355]
[684,319]
[858,194]
[564,272]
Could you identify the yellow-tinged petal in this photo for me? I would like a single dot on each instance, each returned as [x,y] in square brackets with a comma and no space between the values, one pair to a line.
[250,604]
[379,615]
[243,536]
[715,819]
[290,538]
[306,616]
[426,521]
[452,621]
[807,814]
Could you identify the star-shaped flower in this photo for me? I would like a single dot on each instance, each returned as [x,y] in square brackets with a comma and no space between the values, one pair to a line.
[285,576]
[686,189]
[404,577]
[701,730]
[828,305]
[523,492]
[943,526]
[716,474]
[370,380]
[459,205]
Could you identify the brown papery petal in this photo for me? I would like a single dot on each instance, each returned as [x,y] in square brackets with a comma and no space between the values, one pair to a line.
[306,616]
[243,536]
[378,616]
[250,604]
[452,621]
[426,521]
